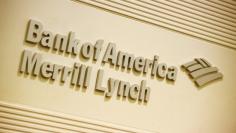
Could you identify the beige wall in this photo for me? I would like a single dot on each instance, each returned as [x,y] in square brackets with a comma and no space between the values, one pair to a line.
[179,108]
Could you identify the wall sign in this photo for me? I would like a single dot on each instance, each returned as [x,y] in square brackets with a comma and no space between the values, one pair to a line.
[80,74]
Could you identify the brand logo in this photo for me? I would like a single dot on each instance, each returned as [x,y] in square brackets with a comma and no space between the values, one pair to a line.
[201,71]
[79,74]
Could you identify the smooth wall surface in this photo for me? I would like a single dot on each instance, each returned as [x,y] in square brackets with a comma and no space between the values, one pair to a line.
[178,107]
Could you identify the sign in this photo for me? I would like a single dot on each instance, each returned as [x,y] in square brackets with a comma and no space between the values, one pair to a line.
[80,74]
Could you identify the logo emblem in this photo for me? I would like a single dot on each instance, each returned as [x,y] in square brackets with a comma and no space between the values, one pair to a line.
[201,71]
